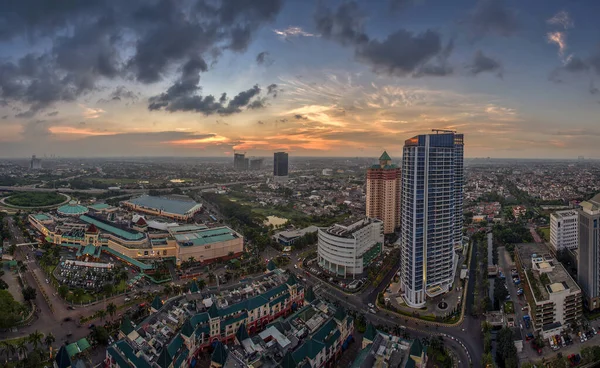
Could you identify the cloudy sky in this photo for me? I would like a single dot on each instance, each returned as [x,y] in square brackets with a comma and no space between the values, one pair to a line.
[316,78]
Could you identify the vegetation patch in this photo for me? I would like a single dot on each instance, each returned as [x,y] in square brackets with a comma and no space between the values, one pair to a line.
[35,199]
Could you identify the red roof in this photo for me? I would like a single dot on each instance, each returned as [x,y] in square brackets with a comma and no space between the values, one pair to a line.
[141,222]
[92,229]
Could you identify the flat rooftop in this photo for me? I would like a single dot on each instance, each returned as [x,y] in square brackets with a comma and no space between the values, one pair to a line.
[113,229]
[557,280]
[566,213]
[202,236]
[349,226]
[179,206]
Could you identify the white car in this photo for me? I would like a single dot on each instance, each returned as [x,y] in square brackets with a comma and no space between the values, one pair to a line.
[371,305]
[372,311]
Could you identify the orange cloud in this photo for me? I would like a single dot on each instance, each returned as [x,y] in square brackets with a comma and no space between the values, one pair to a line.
[77,131]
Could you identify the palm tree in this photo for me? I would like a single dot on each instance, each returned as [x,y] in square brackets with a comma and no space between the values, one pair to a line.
[49,339]
[167,289]
[111,309]
[35,338]
[101,313]
[201,284]
[22,348]
[7,348]
[211,277]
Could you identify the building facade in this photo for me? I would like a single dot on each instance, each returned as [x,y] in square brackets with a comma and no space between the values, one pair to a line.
[239,161]
[280,166]
[553,297]
[563,230]
[346,250]
[383,193]
[431,214]
[588,256]
[181,208]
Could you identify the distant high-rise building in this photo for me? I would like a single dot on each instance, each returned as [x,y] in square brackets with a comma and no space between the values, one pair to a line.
[239,161]
[564,229]
[431,214]
[383,193]
[256,163]
[280,166]
[588,254]
[36,163]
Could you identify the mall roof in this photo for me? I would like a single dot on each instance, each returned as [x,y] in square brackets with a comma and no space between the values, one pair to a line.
[99,206]
[205,236]
[175,206]
[41,217]
[72,209]
[128,235]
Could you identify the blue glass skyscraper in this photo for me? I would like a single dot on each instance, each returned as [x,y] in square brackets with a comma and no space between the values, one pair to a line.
[431,214]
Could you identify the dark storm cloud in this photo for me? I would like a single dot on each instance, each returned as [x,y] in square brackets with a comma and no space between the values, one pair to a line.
[109,39]
[482,63]
[492,17]
[441,67]
[401,52]
[264,58]
[119,94]
[273,90]
[259,103]
[576,64]
[344,25]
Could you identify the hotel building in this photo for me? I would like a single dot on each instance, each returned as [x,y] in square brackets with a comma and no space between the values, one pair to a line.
[431,214]
[347,249]
[383,193]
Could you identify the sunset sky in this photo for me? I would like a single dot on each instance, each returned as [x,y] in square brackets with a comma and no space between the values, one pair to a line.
[315,78]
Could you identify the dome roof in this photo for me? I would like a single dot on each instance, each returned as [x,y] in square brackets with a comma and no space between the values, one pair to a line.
[72,209]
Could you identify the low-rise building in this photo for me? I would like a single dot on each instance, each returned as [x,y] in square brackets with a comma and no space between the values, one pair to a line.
[180,328]
[179,208]
[563,230]
[346,249]
[288,237]
[553,296]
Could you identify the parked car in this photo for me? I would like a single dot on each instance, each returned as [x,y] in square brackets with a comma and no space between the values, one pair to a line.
[529,336]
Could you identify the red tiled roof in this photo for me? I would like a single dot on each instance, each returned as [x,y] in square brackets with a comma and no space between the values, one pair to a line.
[92,229]
[141,222]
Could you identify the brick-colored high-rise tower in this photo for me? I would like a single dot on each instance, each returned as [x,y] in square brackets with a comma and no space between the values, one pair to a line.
[383,193]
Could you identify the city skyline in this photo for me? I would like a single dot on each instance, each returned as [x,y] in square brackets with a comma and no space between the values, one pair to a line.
[309,78]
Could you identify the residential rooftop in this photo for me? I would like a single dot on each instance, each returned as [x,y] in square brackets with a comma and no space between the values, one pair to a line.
[549,275]
[347,228]
[563,214]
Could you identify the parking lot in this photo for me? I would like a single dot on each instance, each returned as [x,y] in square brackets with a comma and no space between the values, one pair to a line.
[88,278]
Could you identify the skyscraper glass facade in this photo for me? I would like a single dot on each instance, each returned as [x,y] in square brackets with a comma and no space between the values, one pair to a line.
[431,214]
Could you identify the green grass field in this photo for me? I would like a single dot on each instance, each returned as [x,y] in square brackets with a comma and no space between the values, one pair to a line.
[545,231]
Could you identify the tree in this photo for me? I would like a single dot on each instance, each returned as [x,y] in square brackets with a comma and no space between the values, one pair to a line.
[100,334]
[22,348]
[35,338]
[108,289]
[78,294]
[101,314]
[211,277]
[49,340]
[7,349]
[63,290]
[3,285]
[111,309]
[29,293]
[167,289]
[201,284]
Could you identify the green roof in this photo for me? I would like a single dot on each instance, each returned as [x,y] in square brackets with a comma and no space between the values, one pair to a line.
[121,362]
[130,355]
[175,345]
[370,332]
[126,326]
[157,303]
[72,350]
[99,206]
[194,287]
[41,217]
[279,299]
[291,280]
[127,235]
[416,348]
[72,209]
[83,344]
[219,355]
[164,359]
[385,157]
[187,330]
[205,236]
[309,295]
[242,333]
[135,262]
[89,250]
[199,318]
[182,356]
[62,359]
[361,357]
[340,313]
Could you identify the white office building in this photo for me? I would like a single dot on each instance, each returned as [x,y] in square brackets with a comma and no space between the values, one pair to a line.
[564,227]
[346,249]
